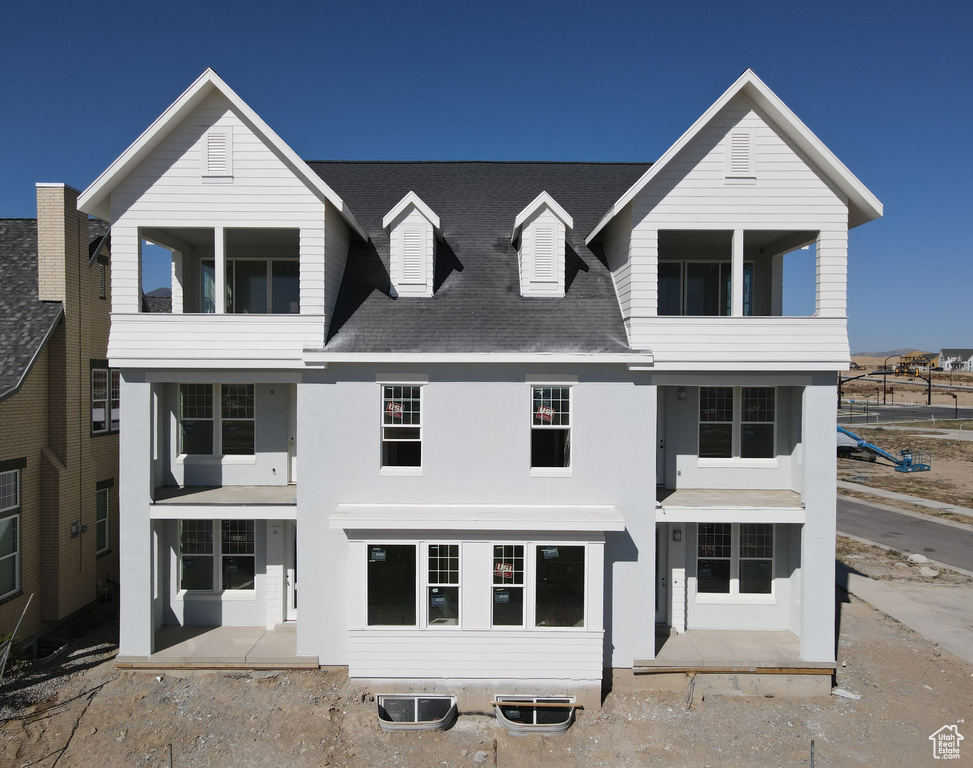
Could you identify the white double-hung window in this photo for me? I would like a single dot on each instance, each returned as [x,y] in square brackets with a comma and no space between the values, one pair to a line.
[401,426]
[105,398]
[207,430]
[550,427]
[737,422]
[216,555]
[735,558]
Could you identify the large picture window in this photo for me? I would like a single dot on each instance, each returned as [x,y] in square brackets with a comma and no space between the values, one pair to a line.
[559,586]
[391,585]
[550,427]
[9,532]
[254,286]
[228,430]
[735,559]
[216,555]
[401,426]
[737,422]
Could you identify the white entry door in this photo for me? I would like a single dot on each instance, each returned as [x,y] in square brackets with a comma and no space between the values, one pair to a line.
[290,568]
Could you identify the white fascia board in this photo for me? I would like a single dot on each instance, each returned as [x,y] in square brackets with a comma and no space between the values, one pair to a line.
[171,362]
[412,199]
[321,358]
[762,366]
[541,200]
[224,511]
[736,514]
[861,201]
[96,199]
[477,517]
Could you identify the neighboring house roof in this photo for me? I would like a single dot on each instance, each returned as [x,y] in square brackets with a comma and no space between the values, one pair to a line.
[25,321]
[958,354]
[159,300]
[96,199]
[863,206]
[477,306]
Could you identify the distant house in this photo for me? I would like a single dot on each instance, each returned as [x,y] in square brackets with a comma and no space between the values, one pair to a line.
[514,420]
[956,359]
[59,414]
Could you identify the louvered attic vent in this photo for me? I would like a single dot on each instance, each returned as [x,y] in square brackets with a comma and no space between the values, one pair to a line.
[413,229]
[539,234]
[218,153]
[739,157]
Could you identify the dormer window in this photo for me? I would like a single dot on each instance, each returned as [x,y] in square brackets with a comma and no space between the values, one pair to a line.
[217,159]
[739,158]
[413,229]
[539,234]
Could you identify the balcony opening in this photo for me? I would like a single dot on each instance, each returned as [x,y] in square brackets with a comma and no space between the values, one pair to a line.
[696,273]
[799,281]
[262,270]
[156,277]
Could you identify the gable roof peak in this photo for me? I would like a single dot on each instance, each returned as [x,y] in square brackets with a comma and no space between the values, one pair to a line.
[96,199]
[542,200]
[412,199]
[863,206]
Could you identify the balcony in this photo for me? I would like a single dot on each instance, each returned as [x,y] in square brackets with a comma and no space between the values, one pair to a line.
[271,502]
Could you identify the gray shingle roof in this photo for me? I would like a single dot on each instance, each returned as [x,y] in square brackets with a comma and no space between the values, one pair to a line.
[477,306]
[25,321]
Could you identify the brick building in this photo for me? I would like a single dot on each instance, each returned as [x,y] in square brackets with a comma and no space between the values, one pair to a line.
[58,415]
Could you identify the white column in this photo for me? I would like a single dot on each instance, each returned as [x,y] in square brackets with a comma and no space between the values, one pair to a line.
[134,529]
[177,282]
[219,257]
[818,534]
[736,275]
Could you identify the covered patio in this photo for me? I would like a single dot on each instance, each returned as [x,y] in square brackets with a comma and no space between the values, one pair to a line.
[223,648]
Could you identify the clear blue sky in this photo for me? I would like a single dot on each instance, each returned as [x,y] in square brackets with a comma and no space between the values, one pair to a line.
[888,86]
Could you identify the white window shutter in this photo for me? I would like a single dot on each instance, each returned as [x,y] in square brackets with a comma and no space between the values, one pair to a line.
[412,256]
[739,155]
[544,253]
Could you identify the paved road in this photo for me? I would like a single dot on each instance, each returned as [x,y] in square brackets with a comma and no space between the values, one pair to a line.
[890,413]
[946,544]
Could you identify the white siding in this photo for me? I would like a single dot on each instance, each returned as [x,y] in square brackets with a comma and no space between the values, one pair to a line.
[757,343]
[194,341]
[338,239]
[475,654]
[314,286]
[783,191]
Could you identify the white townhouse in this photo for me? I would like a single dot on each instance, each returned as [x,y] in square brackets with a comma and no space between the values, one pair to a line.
[521,425]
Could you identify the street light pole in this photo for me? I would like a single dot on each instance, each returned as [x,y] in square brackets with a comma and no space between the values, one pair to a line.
[955,405]
[885,373]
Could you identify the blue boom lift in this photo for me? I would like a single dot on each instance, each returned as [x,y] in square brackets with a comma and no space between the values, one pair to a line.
[907,462]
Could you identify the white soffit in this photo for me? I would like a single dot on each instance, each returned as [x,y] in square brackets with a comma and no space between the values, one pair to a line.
[476,517]
[96,199]
[541,200]
[863,205]
[412,199]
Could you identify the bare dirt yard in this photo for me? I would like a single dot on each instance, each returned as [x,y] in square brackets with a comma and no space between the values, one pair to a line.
[950,480]
[84,712]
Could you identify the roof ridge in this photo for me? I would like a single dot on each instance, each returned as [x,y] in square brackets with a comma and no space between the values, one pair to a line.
[18,218]
[482,162]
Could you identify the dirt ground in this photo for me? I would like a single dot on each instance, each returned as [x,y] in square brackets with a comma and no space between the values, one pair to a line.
[86,713]
[950,480]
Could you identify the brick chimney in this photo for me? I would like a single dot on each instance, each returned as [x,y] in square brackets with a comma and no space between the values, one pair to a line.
[61,232]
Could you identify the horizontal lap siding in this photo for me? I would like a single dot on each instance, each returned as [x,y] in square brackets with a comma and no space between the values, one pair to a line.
[692,190]
[475,654]
[618,241]
[172,340]
[169,186]
[338,238]
[700,340]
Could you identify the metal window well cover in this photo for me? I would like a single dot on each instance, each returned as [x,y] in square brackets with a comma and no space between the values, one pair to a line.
[535,714]
[416,711]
